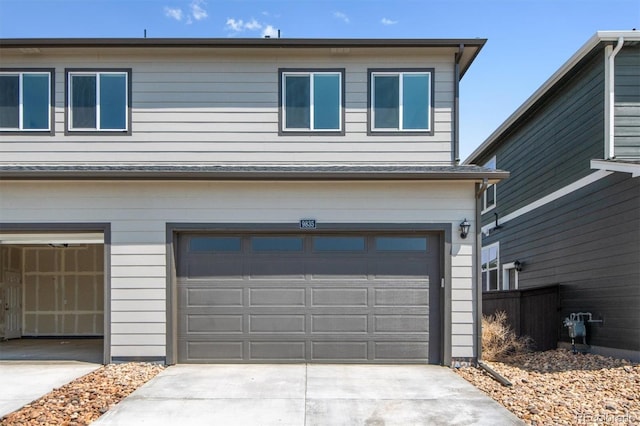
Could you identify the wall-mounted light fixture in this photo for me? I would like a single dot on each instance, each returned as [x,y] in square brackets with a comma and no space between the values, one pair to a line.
[518,265]
[464,228]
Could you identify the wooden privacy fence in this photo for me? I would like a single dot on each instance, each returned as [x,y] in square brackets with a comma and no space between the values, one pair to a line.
[530,312]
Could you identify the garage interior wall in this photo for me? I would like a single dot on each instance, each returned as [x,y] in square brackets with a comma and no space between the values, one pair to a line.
[10,262]
[63,290]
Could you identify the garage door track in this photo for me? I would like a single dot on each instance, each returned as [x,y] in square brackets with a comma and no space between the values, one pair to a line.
[308,394]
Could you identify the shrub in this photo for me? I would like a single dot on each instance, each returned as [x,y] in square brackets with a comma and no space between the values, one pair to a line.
[499,341]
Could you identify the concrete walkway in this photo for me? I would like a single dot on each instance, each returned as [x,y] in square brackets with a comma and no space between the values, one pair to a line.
[24,381]
[308,395]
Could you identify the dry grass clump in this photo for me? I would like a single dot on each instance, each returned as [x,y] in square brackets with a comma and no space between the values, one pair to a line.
[499,341]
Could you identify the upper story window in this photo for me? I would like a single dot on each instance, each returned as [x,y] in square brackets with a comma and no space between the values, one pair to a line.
[26,101]
[98,101]
[401,101]
[489,196]
[312,101]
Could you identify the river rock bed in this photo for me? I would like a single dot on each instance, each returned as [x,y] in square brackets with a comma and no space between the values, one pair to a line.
[83,400]
[558,387]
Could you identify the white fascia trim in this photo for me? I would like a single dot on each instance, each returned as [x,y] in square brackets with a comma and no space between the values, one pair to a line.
[613,166]
[580,183]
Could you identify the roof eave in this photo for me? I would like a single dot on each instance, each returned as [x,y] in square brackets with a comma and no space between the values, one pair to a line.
[493,177]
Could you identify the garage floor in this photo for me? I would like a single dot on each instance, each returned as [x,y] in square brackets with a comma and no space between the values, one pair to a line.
[84,350]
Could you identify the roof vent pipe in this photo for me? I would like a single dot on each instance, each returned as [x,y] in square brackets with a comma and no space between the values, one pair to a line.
[610,98]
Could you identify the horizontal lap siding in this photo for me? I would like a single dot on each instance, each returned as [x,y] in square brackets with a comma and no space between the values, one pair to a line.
[555,146]
[588,242]
[627,103]
[226,110]
[138,213]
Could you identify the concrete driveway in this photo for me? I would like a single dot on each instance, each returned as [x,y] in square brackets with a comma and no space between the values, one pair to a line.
[308,395]
[24,381]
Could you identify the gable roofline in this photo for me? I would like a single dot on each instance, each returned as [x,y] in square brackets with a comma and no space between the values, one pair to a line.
[598,40]
[472,45]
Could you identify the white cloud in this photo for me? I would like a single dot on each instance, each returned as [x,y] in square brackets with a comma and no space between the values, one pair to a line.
[341,16]
[270,31]
[197,10]
[387,21]
[253,25]
[235,25]
[173,13]
[240,25]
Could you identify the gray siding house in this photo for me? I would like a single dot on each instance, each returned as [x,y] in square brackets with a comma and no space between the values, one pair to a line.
[569,214]
[240,200]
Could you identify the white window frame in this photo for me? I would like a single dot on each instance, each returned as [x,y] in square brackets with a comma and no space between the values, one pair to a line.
[20,127]
[505,275]
[311,74]
[400,74]
[492,187]
[97,75]
[497,269]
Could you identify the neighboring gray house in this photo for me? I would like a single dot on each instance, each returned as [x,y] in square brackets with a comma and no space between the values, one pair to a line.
[570,212]
[237,200]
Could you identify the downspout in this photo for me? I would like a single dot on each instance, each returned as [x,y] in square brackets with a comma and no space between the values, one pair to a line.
[480,189]
[609,100]
[455,155]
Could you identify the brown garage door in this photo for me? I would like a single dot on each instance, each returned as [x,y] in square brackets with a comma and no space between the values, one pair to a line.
[308,298]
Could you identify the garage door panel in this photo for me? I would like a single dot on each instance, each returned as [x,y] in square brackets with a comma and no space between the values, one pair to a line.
[231,323]
[401,323]
[331,350]
[401,297]
[322,297]
[196,351]
[196,297]
[339,324]
[314,304]
[277,350]
[277,297]
[400,350]
[278,324]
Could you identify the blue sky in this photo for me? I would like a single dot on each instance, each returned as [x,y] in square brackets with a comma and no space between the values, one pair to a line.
[528,39]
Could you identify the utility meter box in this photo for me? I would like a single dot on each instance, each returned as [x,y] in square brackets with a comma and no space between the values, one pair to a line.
[576,328]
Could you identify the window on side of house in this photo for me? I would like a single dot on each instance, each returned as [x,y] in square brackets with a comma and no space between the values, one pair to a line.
[312,101]
[26,101]
[401,101]
[490,260]
[509,276]
[489,196]
[98,101]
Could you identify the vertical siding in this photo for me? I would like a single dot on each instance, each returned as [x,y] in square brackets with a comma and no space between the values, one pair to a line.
[222,106]
[556,143]
[588,243]
[139,211]
[627,103]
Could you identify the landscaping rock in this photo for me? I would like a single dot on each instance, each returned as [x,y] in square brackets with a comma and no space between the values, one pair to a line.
[85,399]
[561,388]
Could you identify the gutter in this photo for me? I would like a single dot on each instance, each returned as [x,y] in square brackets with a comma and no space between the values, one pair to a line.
[456,106]
[609,101]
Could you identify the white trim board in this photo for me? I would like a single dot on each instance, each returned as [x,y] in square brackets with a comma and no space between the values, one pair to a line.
[580,183]
[616,166]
